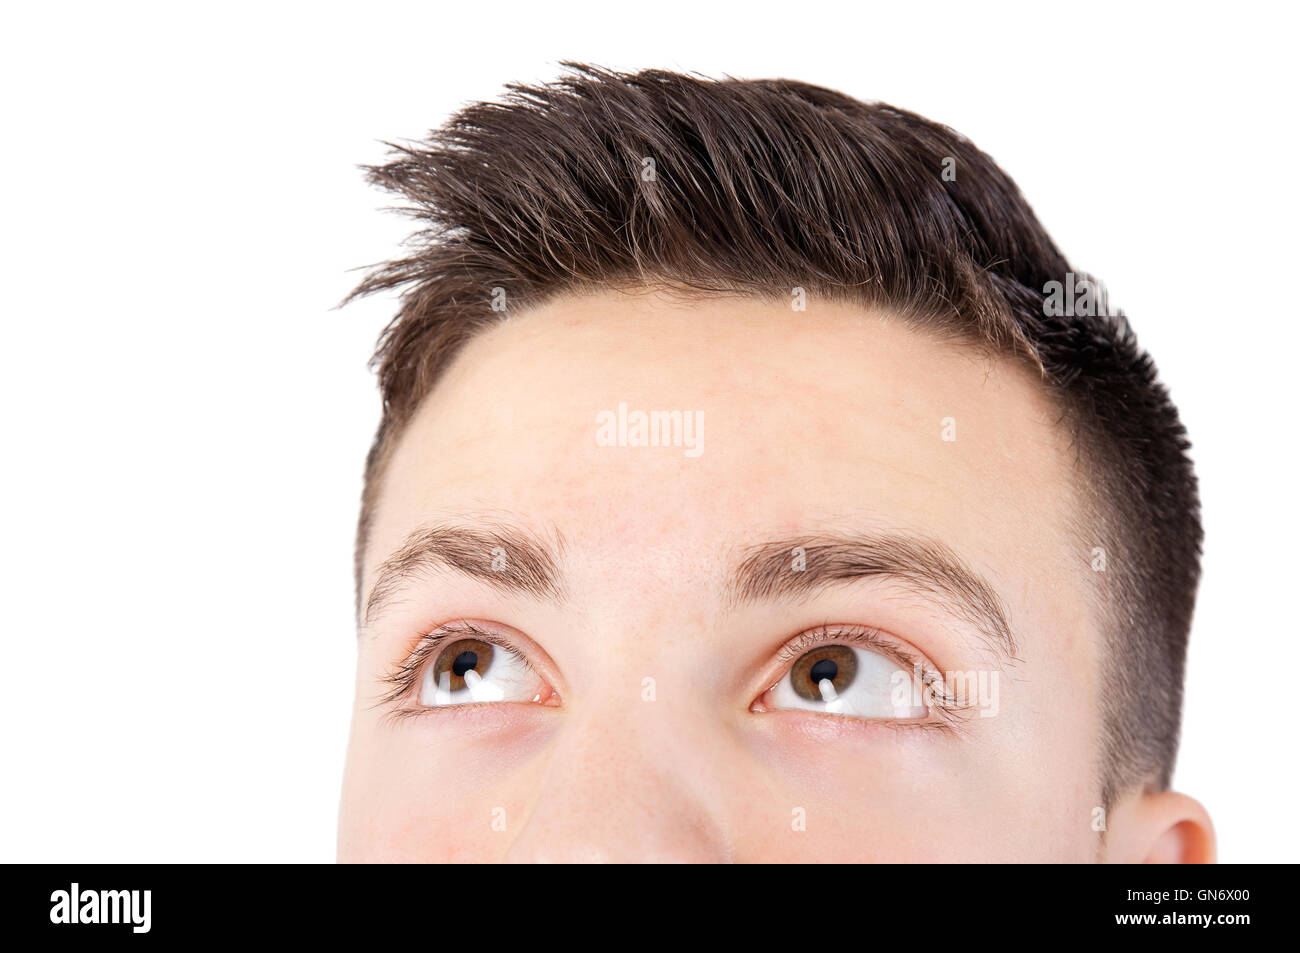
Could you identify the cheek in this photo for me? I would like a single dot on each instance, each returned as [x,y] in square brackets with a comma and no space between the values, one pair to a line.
[459,787]
[439,788]
[881,794]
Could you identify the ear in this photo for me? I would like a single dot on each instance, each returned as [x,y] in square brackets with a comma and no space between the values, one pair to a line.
[1161,828]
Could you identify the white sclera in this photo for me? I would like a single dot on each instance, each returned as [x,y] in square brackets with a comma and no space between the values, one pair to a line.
[873,693]
[508,679]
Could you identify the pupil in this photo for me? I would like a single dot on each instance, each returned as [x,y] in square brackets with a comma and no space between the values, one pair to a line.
[465,662]
[826,668]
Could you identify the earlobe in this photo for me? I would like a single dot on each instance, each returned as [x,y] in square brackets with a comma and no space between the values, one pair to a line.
[1171,828]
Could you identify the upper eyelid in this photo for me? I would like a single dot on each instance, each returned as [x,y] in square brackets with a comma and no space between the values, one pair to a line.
[861,635]
[458,628]
[449,631]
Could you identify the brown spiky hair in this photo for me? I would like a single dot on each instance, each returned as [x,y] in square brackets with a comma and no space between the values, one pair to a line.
[605,179]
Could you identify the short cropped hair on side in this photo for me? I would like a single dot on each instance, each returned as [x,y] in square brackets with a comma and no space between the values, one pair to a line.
[604,179]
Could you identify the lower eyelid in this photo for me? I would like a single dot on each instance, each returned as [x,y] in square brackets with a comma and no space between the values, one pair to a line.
[489,718]
[800,728]
[938,723]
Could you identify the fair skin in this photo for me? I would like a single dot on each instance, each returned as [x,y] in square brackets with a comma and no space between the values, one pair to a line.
[648,727]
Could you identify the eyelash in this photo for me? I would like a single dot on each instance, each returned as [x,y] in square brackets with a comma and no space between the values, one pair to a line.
[949,711]
[405,679]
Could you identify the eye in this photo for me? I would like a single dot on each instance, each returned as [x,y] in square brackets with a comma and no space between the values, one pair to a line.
[472,670]
[462,664]
[843,679]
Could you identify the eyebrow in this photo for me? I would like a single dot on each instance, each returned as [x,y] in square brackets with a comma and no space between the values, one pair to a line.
[503,555]
[515,560]
[802,566]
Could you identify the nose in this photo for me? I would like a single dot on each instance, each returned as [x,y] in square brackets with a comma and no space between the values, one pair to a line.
[627,781]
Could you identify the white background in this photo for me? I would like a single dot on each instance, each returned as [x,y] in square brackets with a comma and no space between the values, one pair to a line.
[185,416]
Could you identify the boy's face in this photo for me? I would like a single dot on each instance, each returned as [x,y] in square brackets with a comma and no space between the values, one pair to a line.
[658,594]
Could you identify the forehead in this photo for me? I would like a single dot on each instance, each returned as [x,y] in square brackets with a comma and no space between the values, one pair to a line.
[791,422]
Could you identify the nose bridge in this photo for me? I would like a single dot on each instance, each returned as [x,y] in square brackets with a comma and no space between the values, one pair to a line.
[631,778]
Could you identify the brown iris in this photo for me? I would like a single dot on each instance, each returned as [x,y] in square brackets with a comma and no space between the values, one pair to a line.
[835,663]
[465,655]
